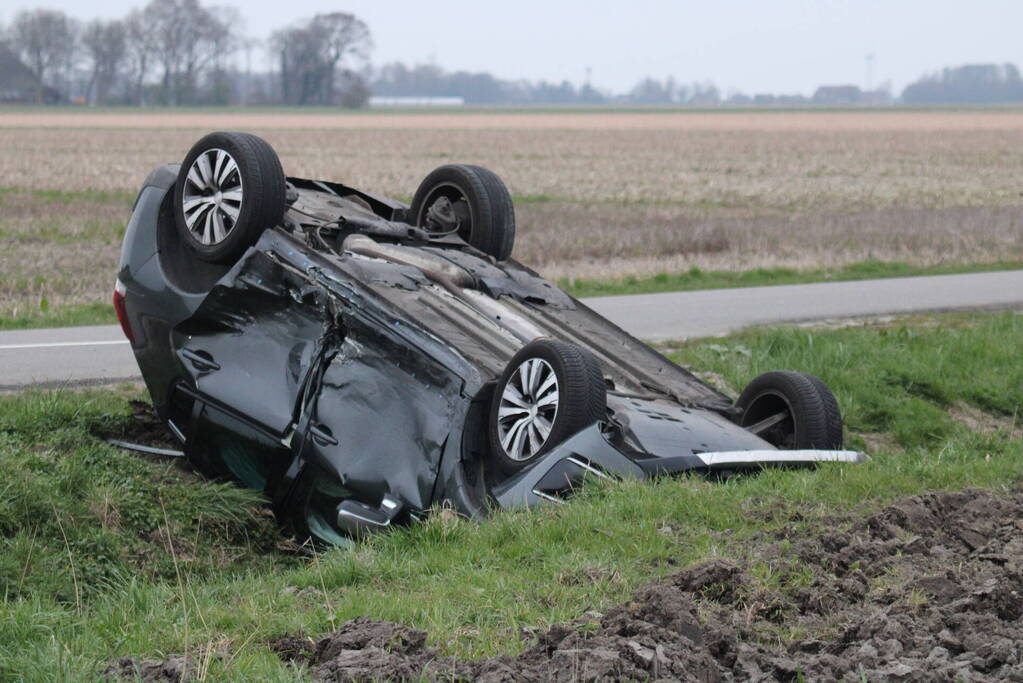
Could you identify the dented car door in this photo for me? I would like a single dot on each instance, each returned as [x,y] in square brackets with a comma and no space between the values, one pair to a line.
[381,417]
[251,343]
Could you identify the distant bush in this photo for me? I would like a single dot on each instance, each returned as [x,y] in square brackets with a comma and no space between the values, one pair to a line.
[968,84]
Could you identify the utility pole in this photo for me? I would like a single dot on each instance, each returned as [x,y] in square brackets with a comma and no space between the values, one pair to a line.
[248,73]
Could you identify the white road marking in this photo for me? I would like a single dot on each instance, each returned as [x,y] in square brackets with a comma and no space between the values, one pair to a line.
[53,345]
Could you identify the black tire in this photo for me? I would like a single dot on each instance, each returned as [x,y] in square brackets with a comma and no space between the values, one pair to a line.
[491,214]
[814,418]
[260,180]
[581,400]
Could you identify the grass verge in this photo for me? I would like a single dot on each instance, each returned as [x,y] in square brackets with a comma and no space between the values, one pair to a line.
[696,278]
[105,554]
[72,315]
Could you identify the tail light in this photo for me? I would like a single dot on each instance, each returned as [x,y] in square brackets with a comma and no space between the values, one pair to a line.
[122,312]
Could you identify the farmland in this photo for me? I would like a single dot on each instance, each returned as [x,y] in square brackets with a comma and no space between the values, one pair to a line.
[598,195]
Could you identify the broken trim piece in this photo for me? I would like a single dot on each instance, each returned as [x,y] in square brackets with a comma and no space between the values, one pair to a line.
[720,459]
[148,450]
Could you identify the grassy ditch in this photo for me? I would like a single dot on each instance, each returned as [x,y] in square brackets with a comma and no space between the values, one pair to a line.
[107,554]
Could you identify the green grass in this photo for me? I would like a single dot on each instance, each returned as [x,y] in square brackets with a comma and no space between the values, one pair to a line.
[899,379]
[62,316]
[695,278]
[64,197]
[471,585]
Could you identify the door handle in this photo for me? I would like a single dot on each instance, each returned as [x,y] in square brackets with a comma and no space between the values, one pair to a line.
[322,435]
[200,360]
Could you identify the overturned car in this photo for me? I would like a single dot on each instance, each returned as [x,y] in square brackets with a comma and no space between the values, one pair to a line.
[360,360]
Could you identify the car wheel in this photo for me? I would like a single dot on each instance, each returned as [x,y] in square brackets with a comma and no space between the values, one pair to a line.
[471,202]
[229,190]
[791,410]
[549,391]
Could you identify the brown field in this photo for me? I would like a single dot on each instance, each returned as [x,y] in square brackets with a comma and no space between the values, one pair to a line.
[598,194]
[829,121]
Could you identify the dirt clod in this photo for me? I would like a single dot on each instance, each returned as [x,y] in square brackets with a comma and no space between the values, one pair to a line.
[172,669]
[929,588]
[294,648]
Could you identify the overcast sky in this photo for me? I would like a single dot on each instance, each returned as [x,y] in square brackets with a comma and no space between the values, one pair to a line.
[789,46]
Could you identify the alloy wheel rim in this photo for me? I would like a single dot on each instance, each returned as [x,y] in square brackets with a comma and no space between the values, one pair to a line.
[528,408]
[212,197]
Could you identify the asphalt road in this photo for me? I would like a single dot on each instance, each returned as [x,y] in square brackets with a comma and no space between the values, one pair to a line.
[97,355]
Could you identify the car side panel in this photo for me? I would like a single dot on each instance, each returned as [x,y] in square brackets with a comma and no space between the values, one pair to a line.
[251,343]
[385,412]
[140,242]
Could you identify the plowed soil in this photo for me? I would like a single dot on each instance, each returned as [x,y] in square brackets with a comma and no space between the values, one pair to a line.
[930,588]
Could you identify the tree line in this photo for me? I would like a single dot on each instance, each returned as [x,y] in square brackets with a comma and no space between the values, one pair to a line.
[181,52]
[968,84]
[184,53]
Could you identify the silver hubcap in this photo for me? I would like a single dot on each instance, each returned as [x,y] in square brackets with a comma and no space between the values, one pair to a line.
[529,405]
[212,196]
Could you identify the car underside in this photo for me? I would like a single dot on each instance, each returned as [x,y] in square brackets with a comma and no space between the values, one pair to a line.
[360,360]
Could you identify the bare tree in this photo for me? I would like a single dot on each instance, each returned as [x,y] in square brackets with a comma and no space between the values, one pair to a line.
[224,43]
[45,42]
[104,43]
[297,63]
[342,35]
[216,40]
[209,35]
[311,53]
[186,38]
[140,44]
[167,23]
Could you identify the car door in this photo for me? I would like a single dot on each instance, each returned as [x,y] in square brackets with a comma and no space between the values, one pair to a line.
[381,416]
[223,445]
[250,345]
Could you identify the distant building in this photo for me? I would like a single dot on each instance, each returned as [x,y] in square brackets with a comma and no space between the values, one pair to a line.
[766,99]
[17,83]
[879,97]
[838,95]
[384,102]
